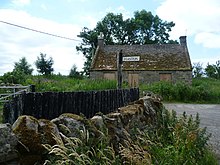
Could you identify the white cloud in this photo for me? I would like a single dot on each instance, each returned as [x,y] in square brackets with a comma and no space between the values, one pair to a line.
[16,42]
[21,2]
[205,61]
[121,9]
[207,39]
[193,18]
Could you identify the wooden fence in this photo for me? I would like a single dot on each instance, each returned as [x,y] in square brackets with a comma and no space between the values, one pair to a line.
[7,92]
[50,105]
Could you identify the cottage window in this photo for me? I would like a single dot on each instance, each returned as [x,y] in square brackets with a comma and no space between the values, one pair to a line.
[109,76]
[165,77]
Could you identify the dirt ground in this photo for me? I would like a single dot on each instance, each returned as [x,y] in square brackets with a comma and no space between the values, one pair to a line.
[209,116]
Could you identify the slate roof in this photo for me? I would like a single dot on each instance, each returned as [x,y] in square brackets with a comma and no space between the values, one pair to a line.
[152,57]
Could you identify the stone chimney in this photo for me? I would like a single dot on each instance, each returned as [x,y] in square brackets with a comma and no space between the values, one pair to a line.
[183,41]
[101,40]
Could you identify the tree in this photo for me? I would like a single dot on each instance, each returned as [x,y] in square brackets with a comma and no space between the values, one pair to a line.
[23,66]
[217,67]
[197,70]
[44,66]
[14,77]
[143,28]
[213,71]
[210,71]
[74,73]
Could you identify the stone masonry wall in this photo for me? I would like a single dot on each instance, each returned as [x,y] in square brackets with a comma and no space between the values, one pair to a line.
[149,76]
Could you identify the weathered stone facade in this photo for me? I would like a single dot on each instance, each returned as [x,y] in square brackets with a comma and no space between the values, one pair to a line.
[148,76]
[155,62]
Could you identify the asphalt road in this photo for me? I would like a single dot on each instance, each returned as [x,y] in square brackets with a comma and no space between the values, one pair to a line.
[209,117]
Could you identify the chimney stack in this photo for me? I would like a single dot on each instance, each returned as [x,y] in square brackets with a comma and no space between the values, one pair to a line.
[101,39]
[183,41]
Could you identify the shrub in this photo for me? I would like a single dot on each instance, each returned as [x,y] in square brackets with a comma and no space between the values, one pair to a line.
[176,140]
[14,77]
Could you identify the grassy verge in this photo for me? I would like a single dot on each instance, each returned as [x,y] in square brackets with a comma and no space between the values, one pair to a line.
[203,90]
[63,83]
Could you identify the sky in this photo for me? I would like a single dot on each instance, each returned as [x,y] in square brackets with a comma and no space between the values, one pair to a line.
[196,19]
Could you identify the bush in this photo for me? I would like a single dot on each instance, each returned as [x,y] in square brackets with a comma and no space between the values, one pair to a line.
[14,77]
[177,140]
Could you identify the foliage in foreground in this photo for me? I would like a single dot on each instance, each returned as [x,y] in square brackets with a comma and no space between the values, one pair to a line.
[179,140]
[173,140]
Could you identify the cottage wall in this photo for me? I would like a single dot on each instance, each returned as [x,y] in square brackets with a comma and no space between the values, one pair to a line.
[148,76]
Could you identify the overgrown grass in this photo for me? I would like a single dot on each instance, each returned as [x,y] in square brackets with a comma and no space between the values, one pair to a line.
[82,151]
[203,90]
[63,83]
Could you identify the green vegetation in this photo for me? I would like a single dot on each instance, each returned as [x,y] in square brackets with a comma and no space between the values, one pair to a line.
[59,83]
[202,90]
[173,140]
[23,66]
[178,140]
[44,66]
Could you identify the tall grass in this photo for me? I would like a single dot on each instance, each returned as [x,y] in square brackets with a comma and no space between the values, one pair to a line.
[63,83]
[203,90]
[177,140]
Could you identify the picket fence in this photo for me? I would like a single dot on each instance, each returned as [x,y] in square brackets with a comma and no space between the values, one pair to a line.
[49,105]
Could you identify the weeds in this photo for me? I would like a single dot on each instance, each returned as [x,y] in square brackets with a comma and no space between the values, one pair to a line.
[177,140]
[75,151]
[63,83]
[203,90]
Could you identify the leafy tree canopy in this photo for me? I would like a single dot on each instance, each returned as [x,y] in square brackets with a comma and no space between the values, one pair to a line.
[23,66]
[197,70]
[143,28]
[74,73]
[213,71]
[44,66]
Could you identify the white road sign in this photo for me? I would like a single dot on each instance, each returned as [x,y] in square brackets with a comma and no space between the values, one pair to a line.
[131,58]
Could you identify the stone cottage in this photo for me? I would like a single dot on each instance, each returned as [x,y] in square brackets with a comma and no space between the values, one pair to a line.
[143,63]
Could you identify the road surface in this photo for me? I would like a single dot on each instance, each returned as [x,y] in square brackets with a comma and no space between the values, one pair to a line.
[209,117]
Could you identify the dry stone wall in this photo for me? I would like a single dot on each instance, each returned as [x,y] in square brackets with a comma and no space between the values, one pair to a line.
[33,134]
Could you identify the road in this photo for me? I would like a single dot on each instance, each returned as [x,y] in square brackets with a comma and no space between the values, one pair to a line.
[209,117]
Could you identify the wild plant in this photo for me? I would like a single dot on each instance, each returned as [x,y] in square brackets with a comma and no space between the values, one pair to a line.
[178,140]
[76,151]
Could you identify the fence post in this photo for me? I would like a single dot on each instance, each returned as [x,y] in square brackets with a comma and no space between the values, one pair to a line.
[32,88]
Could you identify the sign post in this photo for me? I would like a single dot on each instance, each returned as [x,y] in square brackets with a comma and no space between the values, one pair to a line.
[119,70]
